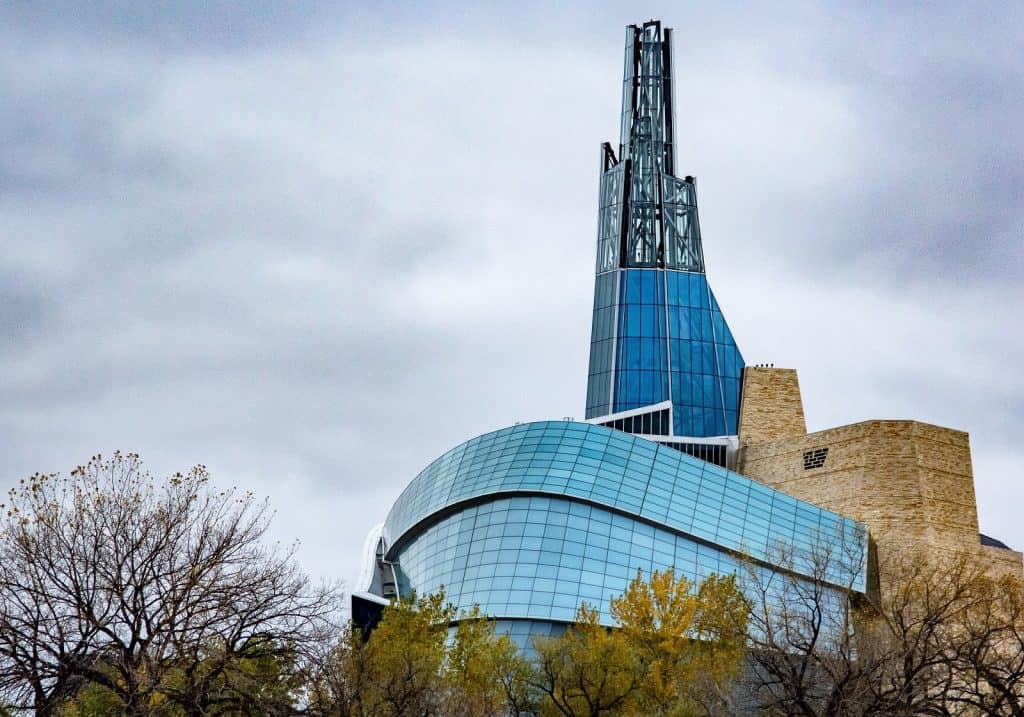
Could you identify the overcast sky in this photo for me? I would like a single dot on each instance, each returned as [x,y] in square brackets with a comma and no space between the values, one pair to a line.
[315,246]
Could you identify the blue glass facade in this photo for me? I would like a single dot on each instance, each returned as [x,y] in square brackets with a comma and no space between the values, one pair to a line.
[530,520]
[658,333]
[659,336]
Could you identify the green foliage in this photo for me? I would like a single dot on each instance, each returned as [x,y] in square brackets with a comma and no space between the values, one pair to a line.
[93,700]
[258,682]
[260,678]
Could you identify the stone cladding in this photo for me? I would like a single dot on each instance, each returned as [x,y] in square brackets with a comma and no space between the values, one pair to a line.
[910,482]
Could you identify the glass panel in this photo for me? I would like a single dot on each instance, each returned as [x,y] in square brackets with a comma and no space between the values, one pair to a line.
[682,232]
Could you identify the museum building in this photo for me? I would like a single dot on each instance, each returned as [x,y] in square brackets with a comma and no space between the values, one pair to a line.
[688,458]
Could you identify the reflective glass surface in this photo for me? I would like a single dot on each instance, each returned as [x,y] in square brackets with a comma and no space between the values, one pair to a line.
[609,218]
[706,363]
[641,351]
[682,231]
[539,557]
[602,346]
[659,327]
[582,507]
[646,138]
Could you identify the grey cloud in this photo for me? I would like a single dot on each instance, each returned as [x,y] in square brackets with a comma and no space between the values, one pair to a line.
[314,247]
[24,312]
[191,25]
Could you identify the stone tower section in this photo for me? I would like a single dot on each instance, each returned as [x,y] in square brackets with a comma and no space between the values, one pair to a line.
[771,407]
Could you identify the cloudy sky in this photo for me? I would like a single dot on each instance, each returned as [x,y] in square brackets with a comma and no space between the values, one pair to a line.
[313,246]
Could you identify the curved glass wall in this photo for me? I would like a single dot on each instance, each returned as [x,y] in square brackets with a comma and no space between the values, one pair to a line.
[530,520]
[538,557]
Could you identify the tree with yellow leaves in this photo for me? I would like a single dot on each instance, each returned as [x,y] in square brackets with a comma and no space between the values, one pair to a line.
[677,651]
[688,640]
[402,661]
[590,671]
[414,665]
[486,675]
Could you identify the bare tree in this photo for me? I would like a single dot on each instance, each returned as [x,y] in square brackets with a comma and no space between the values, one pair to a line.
[986,649]
[160,591]
[915,620]
[802,652]
[925,646]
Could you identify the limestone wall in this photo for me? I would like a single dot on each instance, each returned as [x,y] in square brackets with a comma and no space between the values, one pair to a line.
[770,405]
[910,482]
[1002,562]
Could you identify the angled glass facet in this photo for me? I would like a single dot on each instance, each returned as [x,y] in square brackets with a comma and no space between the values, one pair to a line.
[609,225]
[682,231]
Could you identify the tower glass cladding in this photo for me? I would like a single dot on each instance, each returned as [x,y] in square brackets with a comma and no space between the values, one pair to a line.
[658,335]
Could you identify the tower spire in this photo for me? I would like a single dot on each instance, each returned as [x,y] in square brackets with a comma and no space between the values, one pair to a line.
[647,122]
[659,338]
[648,216]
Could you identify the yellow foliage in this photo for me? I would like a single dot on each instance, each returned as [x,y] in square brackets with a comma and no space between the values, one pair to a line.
[677,651]
[590,670]
[485,674]
[403,658]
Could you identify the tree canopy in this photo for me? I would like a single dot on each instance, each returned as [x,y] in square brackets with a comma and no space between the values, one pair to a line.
[677,650]
[151,593]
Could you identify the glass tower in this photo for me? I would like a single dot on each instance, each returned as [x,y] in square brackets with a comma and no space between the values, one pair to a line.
[663,362]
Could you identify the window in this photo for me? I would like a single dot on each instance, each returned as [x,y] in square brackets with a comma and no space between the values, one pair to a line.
[711,452]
